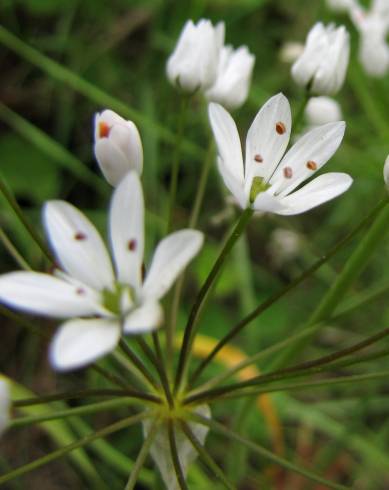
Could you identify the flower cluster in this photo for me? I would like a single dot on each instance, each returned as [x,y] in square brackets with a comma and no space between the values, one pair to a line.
[201,61]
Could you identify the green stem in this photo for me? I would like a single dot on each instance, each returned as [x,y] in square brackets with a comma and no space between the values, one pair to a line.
[202,295]
[12,250]
[298,118]
[144,451]
[263,452]
[175,458]
[192,224]
[73,395]
[354,266]
[176,160]
[340,380]
[75,445]
[279,294]
[82,86]
[71,412]
[159,360]
[110,376]
[305,368]
[205,456]
[19,213]
[138,364]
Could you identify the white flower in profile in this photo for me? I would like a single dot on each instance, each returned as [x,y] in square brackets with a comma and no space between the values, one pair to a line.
[160,448]
[101,304]
[386,172]
[118,147]
[322,110]
[267,182]
[194,62]
[5,405]
[323,64]
[373,27]
[233,78]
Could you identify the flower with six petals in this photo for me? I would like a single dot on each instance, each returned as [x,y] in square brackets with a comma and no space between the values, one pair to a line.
[101,304]
[268,180]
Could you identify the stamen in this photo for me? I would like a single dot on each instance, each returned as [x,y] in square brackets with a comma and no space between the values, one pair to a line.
[288,172]
[104,129]
[280,127]
[258,158]
[80,291]
[131,245]
[312,165]
[80,236]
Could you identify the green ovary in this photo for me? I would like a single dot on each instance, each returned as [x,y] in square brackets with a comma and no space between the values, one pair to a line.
[258,185]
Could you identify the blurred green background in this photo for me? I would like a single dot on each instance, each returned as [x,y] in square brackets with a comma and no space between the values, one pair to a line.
[46,152]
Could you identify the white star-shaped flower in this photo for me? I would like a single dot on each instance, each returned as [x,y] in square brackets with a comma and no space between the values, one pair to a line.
[101,303]
[268,180]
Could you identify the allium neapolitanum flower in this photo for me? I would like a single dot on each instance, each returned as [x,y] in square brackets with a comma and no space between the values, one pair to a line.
[323,64]
[101,303]
[118,147]
[373,26]
[233,78]
[194,63]
[5,405]
[341,5]
[322,110]
[268,180]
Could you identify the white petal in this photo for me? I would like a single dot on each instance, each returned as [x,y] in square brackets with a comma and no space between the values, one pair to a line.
[112,161]
[233,185]
[80,342]
[267,139]
[43,294]
[146,318]
[318,191]
[227,140]
[265,202]
[160,448]
[127,230]
[77,245]
[307,156]
[172,255]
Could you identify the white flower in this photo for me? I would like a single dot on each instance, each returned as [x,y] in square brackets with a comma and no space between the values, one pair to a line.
[118,147]
[323,64]
[193,64]
[341,5]
[373,28]
[322,110]
[386,172]
[104,303]
[268,180]
[233,78]
[5,405]
[160,448]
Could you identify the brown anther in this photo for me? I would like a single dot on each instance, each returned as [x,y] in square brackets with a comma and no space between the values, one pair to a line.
[288,172]
[80,291]
[258,158]
[280,127]
[131,245]
[312,165]
[80,236]
[104,129]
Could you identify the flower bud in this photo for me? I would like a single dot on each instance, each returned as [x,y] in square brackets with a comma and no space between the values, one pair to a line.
[118,147]
[233,78]
[193,64]
[323,64]
[322,110]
